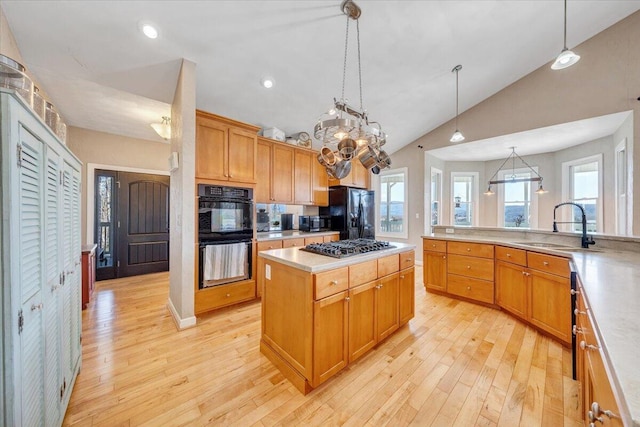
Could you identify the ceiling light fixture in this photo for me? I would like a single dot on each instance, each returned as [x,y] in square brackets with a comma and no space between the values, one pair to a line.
[566,58]
[150,31]
[346,132]
[267,82]
[457,135]
[163,129]
[537,178]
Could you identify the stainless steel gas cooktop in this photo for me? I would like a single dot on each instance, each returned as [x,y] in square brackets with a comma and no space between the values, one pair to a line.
[345,248]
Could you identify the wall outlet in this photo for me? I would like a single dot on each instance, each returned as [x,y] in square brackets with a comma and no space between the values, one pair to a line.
[267,271]
[417,215]
[449,230]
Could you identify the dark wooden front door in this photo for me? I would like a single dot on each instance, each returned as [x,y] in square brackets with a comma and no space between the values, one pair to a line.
[143,224]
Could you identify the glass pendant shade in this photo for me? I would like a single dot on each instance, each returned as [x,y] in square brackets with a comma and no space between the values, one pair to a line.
[566,59]
[489,192]
[457,136]
[163,129]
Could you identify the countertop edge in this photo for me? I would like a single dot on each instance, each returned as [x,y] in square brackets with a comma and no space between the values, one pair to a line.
[292,234]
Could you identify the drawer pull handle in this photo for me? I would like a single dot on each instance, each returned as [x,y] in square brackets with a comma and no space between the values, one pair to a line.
[333,283]
[402,277]
[36,307]
[408,260]
[577,330]
[508,255]
[524,273]
[585,346]
[596,412]
[576,312]
[545,263]
[347,299]
[574,292]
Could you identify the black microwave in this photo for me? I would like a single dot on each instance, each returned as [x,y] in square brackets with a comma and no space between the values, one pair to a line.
[309,223]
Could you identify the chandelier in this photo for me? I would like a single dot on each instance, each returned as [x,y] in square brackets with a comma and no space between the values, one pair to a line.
[346,133]
[513,178]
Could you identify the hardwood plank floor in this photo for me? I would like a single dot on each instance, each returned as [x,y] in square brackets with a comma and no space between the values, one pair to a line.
[454,364]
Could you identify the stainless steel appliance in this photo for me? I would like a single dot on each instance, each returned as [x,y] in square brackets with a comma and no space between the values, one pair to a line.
[262,220]
[325,222]
[286,221]
[345,248]
[309,223]
[225,231]
[352,212]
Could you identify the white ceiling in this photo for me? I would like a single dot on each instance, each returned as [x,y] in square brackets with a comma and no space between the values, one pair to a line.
[535,141]
[103,74]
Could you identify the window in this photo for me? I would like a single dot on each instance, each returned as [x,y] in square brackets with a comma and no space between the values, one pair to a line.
[582,184]
[518,208]
[464,192]
[436,195]
[393,203]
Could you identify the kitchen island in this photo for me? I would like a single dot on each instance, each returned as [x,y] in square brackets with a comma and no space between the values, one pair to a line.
[321,313]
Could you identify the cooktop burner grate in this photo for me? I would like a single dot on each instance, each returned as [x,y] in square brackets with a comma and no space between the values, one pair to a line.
[345,248]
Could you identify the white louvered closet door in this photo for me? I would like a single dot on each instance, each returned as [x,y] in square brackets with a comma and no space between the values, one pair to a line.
[67,260]
[53,288]
[76,290]
[30,399]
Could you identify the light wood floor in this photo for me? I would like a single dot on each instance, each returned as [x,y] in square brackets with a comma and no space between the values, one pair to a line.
[455,364]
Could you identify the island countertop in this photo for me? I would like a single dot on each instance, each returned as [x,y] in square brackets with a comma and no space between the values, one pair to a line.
[315,263]
[611,281]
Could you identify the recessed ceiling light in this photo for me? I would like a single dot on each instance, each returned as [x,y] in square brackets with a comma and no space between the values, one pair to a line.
[267,82]
[150,31]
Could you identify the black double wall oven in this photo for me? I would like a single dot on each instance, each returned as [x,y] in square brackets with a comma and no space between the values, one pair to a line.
[225,231]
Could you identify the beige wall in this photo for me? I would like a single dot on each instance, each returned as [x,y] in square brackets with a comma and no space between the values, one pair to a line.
[8,45]
[183,184]
[106,149]
[606,80]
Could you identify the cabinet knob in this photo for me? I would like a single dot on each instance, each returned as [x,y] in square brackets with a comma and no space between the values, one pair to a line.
[596,413]
[409,260]
[434,245]
[333,283]
[524,273]
[230,176]
[402,277]
[347,299]
[468,288]
[228,295]
[576,330]
[545,263]
[508,255]
[585,346]
[576,312]
[574,292]
[468,267]
[468,249]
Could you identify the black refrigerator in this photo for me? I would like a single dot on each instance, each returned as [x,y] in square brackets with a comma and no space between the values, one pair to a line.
[352,212]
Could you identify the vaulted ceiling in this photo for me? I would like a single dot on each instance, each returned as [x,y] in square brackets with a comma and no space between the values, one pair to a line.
[103,74]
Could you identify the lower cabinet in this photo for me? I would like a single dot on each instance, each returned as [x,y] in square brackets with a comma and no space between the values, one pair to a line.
[330,336]
[435,271]
[550,304]
[362,315]
[407,295]
[511,288]
[387,300]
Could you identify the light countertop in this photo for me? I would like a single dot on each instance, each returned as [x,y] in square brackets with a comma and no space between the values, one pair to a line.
[291,234]
[611,281]
[315,263]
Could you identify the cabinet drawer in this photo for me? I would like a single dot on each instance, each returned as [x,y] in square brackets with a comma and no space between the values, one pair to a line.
[478,268]
[434,245]
[514,256]
[332,238]
[309,240]
[290,243]
[388,265]
[472,249]
[548,263]
[362,273]
[479,290]
[407,259]
[223,295]
[269,244]
[330,282]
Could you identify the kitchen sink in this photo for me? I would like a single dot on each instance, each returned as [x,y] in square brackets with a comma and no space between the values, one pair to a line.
[543,245]
[571,249]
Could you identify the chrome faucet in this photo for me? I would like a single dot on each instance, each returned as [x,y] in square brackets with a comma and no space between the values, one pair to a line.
[586,240]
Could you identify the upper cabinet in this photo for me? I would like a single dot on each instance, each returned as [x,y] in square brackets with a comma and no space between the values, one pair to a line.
[319,183]
[358,177]
[282,164]
[226,150]
[302,177]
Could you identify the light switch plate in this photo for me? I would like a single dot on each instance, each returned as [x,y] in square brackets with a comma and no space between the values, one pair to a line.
[267,271]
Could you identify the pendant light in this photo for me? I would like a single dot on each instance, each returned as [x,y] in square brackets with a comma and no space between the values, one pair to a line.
[513,178]
[566,58]
[163,129]
[457,135]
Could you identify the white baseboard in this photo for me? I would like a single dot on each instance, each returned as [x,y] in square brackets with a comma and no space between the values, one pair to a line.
[180,323]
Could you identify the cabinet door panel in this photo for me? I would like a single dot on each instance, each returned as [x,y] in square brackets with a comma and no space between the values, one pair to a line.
[407,295]
[302,177]
[435,271]
[263,172]
[511,288]
[330,336]
[242,156]
[282,174]
[362,319]
[550,304]
[320,183]
[211,150]
[387,315]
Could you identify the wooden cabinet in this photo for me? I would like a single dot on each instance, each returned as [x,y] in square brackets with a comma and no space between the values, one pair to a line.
[41,268]
[302,180]
[511,288]
[319,183]
[330,336]
[293,243]
[226,150]
[358,177]
[310,240]
[435,271]
[88,273]
[269,244]
[407,295]
[331,238]
[262,193]
[591,372]
[470,271]
[550,294]
[315,324]
[282,166]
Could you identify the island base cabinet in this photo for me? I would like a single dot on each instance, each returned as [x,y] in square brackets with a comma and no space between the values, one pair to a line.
[435,271]
[407,295]
[387,318]
[330,336]
[511,288]
[362,315]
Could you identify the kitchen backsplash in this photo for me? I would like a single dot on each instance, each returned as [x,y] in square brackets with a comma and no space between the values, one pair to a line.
[272,221]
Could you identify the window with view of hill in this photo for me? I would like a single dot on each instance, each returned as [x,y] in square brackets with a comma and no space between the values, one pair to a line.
[464,191]
[393,203]
[582,184]
[518,207]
